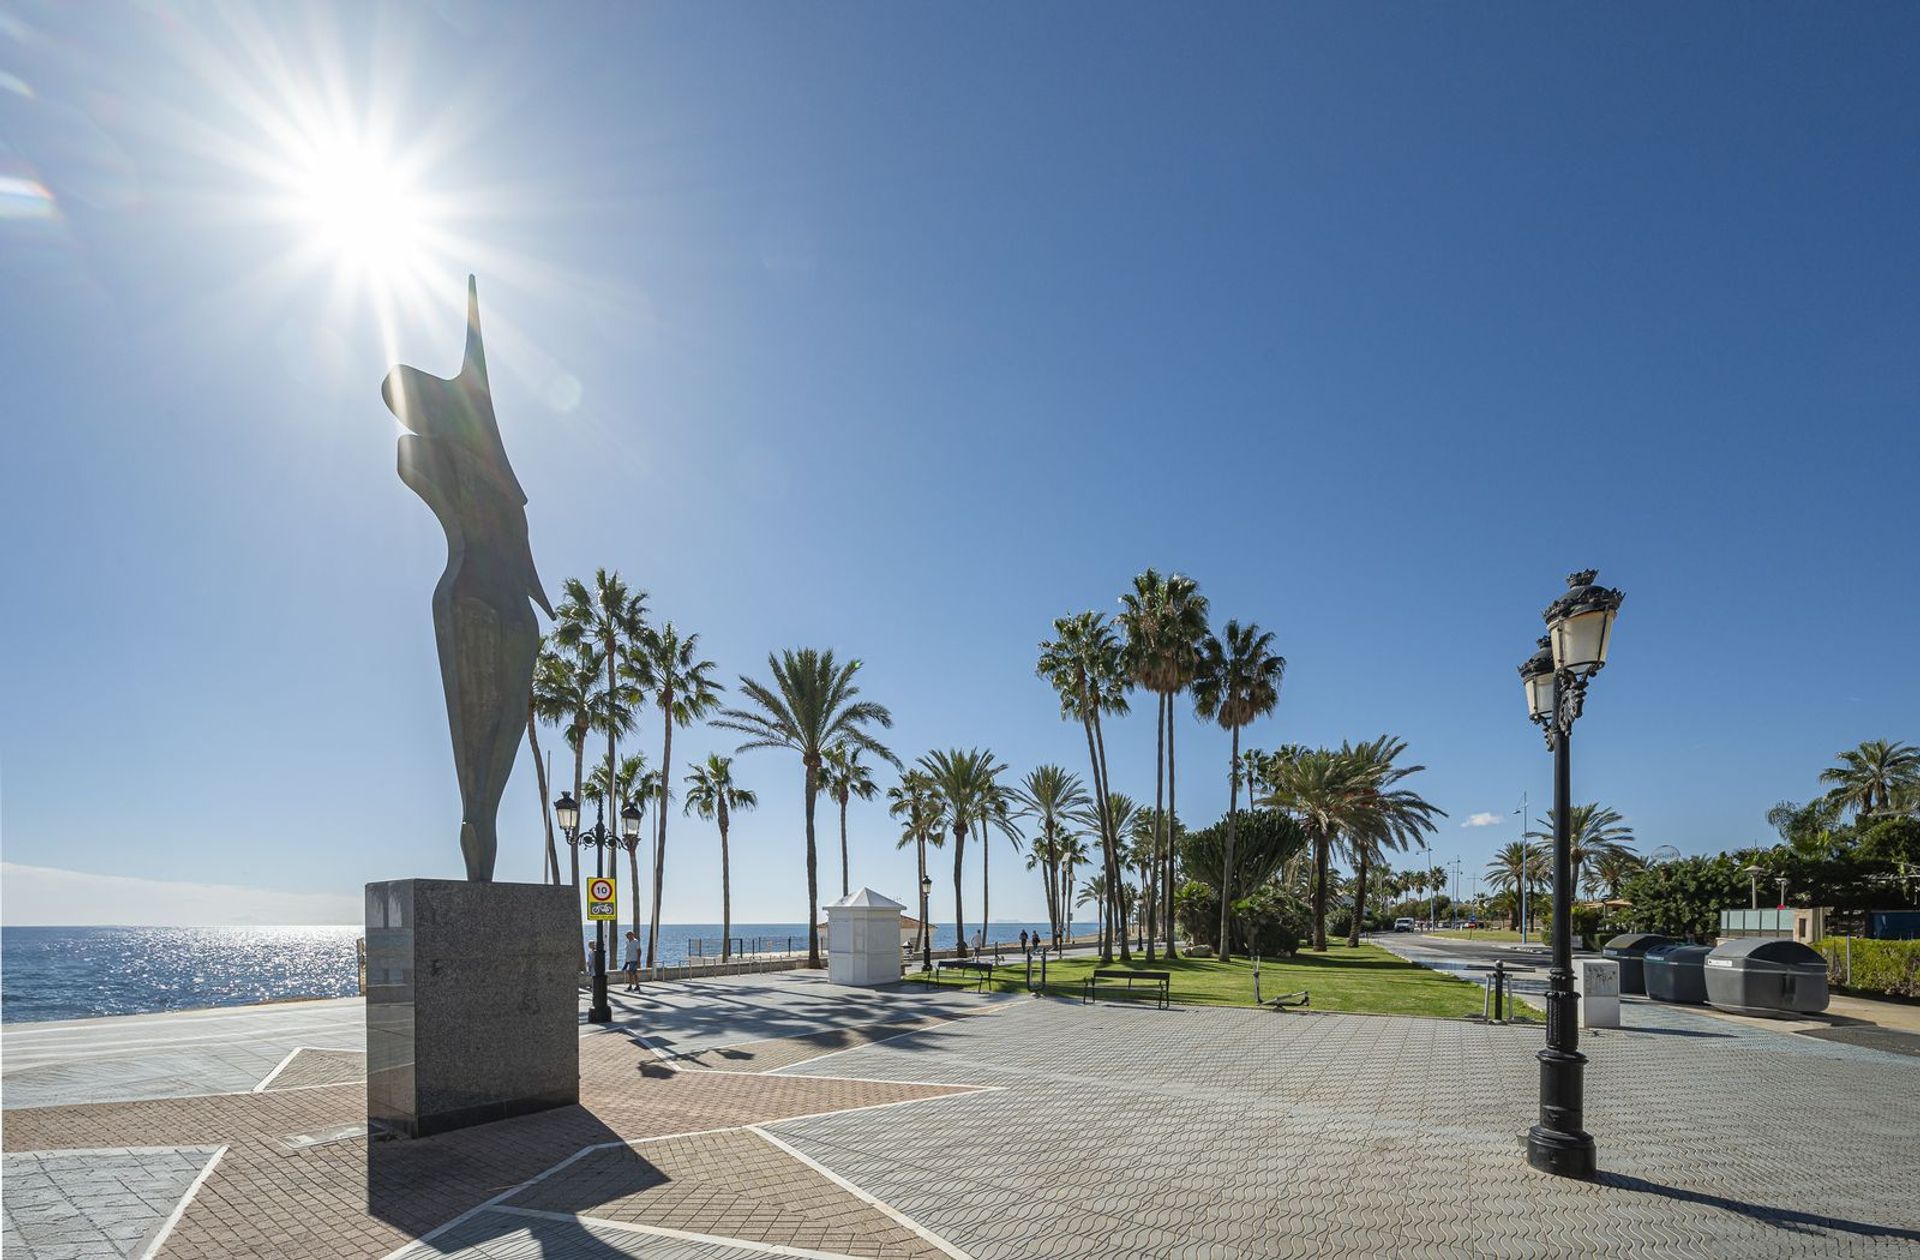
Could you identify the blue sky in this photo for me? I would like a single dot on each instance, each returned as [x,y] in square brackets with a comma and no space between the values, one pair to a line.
[905,330]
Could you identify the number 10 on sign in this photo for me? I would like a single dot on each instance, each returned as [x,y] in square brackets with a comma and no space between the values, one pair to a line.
[600,899]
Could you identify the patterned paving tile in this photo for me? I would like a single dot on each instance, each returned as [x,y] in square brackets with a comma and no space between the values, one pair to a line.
[89,1205]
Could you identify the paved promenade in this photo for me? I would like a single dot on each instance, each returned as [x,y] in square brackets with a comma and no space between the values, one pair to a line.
[779,1115]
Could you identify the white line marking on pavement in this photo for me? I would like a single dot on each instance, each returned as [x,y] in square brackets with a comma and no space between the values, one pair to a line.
[661,1231]
[900,1217]
[278,1068]
[180,1209]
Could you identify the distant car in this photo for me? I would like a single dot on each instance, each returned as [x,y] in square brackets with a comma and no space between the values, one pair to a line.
[1403,925]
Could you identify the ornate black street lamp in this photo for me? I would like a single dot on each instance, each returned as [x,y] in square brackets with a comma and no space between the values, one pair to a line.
[566,812]
[1579,630]
[926,937]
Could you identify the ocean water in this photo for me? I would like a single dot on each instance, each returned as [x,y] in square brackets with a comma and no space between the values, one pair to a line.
[76,972]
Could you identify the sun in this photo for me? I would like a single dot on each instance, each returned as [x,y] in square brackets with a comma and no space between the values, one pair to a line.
[362,209]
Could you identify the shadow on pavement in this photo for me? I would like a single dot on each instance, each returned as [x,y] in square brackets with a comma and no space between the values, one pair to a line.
[1779,1218]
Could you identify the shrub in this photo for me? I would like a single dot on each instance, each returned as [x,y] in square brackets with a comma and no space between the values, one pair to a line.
[1196,908]
[1891,967]
[1270,922]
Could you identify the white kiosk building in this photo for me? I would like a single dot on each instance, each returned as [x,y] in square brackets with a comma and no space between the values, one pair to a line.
[863,939]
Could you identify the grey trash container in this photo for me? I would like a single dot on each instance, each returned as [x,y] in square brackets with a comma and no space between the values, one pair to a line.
[1760,975]
[1677,973]
[1629,949]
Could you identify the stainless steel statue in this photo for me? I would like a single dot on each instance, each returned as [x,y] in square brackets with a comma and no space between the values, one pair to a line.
[452,458]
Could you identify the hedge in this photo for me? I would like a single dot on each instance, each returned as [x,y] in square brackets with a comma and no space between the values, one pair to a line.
[1878,966]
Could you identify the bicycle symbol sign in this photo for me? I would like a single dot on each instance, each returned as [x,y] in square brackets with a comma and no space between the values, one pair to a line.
[600,899]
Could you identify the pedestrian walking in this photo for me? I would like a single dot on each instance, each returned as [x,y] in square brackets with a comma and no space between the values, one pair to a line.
[1024,947]
[633,962]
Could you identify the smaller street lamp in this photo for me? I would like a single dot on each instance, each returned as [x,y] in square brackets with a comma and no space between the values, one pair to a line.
[926,937]
[1753,874]
[1782,881]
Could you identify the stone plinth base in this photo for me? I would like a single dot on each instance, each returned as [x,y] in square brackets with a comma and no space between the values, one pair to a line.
[472,1008]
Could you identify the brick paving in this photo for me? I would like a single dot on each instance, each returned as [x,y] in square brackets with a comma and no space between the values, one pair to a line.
[310,1067]
[1061,1130]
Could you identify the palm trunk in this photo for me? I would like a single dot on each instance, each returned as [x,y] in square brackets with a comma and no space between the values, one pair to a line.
[1100,812]
[813,872]
[959,916]
[573,844]
[920,847]
[1173,824]
[633,873]
[726,889]
[1226,866]
[1359,898]
[1162,837]
[986,859]
[1113,857]
[844,887]
[660,823]
[613,696]
[1321,844]
[540,777]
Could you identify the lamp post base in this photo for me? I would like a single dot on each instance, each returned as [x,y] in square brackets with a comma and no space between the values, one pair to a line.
[1562,1154]
[599,1010]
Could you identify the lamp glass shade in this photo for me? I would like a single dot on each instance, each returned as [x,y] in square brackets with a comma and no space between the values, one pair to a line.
[926,885]
[630,821]
[566,812]
[1580,641]
[1540,696]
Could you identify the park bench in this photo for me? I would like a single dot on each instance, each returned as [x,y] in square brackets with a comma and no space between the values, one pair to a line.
[976,973]
[1160,980]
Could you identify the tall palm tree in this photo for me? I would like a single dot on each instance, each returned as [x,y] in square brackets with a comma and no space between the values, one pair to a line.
[634,783]
[1166,620]
[1594,829]
[1238,680]
[1053,798]
[1385,817]
[997,816]
[1143,857]
[1095,895]
[715,797]
[965,783]
[569,687]
[611,618]
[1515,865]
[1126,817]
[811,705]
[1610,870]
[1073,856]
[1086,666]
[1870,778]
[667,669]
[915,803]
[844,776]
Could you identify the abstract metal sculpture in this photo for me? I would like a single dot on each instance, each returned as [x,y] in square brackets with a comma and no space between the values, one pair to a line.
[487,635]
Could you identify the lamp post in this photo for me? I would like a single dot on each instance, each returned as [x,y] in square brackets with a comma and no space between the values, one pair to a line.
[1753,885]
[566,812]
[1782,881]
[1574,649]
[926,937]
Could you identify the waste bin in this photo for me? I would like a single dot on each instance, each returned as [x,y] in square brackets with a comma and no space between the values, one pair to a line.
[1677,973]
[1629,949]
[1759,975]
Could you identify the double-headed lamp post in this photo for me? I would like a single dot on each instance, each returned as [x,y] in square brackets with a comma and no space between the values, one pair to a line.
[1579,631]
[566,812]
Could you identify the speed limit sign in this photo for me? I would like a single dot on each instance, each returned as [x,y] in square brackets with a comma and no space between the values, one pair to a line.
[600,898]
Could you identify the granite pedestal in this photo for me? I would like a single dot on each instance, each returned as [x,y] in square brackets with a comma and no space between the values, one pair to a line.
[472,1002]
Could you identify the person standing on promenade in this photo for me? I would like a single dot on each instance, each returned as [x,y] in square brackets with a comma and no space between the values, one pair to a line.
[633,962]
[1023,944]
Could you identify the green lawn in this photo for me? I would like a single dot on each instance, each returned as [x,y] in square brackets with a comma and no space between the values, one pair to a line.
[1367,980]
[1482,934]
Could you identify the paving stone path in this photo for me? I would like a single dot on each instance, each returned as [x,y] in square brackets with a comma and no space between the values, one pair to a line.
[887,1126]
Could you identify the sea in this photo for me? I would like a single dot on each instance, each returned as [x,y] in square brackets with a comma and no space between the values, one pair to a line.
[77,972]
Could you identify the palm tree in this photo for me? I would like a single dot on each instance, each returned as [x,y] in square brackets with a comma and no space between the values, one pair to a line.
[1086,666]
[1126,816]
[1143,856]
[534,718]
[1073,856]
[1052,797]
[1610,870]
[568,692]
[1238,681]
[964,783]
[1095,895]
[1318,787]
[844,776]
[1384,816]
[668,670]
[715,797]
[1166,623]
[611,618]
[1517,864]
[1870,778]
[810,706]
[918,807]
[1593,829]
[633,783]
[997,816]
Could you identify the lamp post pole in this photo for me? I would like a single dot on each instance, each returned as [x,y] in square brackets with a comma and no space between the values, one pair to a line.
[1579,629]
[567,812]
[926,936]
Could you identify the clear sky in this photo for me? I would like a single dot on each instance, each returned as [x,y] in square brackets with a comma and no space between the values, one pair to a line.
[906,329]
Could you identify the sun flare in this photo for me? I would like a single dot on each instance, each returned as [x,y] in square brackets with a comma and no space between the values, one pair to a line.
[362,209]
